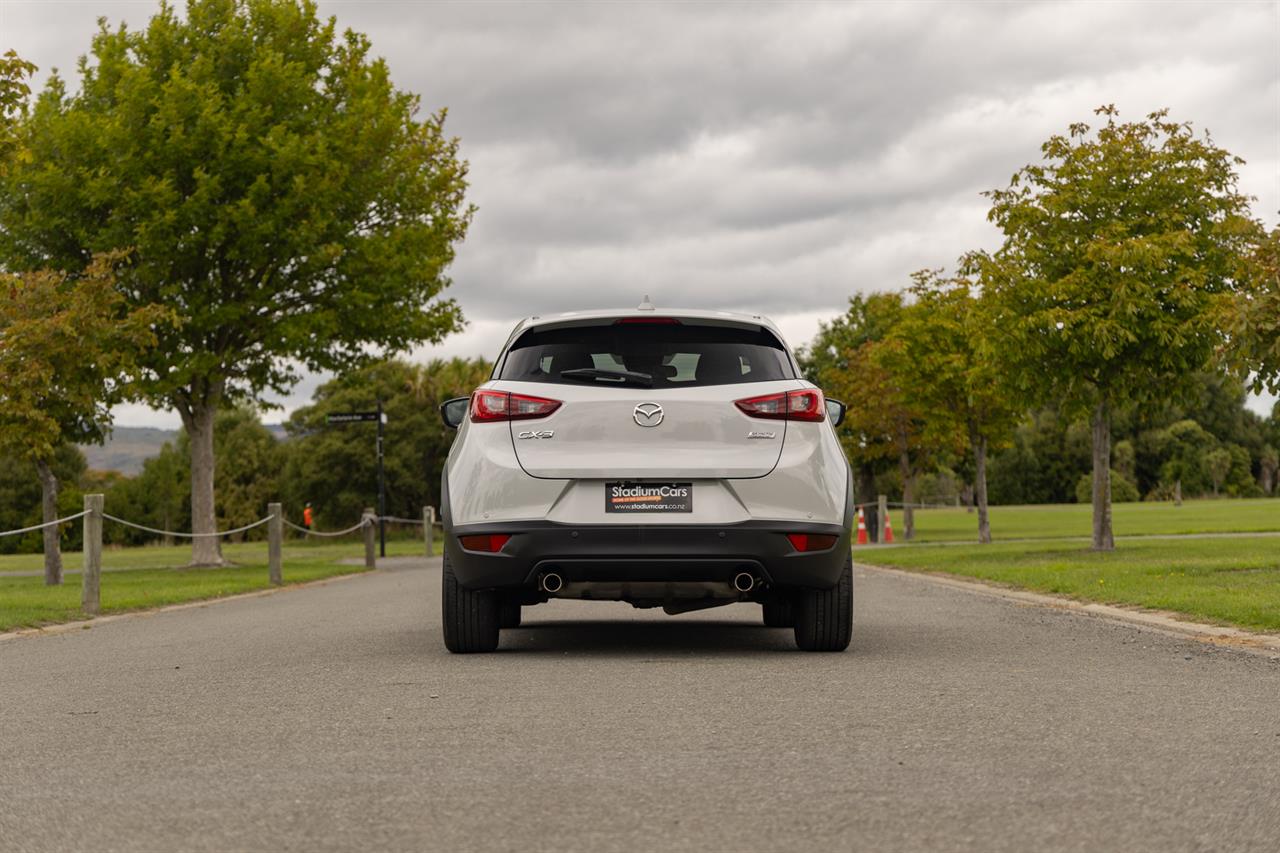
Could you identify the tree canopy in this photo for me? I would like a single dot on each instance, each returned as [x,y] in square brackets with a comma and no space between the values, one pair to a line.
[947,358]
[1118,248]
[273,186]
[1252,319]
[69,348]
[14,90]
[332,467]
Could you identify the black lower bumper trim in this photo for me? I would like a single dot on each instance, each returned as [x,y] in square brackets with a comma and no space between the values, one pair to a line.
[648,552]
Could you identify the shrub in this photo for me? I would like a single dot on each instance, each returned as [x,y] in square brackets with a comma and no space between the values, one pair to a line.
[1122,491]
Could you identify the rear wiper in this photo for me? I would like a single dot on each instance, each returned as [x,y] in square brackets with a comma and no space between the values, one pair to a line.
[596,373]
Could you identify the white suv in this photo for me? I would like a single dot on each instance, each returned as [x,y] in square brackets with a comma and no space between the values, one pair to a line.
[672,459]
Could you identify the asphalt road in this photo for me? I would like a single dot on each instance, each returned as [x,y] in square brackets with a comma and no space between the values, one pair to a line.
[331,718]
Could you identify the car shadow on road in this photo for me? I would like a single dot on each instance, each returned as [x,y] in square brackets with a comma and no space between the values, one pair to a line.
[644,637]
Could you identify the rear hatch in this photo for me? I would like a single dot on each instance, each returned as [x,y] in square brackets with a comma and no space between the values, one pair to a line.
[647,400]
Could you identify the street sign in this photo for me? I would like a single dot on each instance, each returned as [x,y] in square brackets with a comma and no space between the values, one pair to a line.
[380,418]
[352,417]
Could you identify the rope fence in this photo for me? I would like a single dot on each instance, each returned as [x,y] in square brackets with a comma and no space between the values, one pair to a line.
[180,534]
[257,523]
[364,522]
[36,527]
[94,515]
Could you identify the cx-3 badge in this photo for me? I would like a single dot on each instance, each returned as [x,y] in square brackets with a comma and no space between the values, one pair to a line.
[648,414]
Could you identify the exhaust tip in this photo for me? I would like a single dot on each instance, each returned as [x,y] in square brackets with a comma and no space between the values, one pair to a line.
[744,582]
[552,582]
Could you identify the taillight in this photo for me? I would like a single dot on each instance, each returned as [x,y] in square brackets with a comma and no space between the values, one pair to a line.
[490,542]
[804,405]
[811,541]
[488,406]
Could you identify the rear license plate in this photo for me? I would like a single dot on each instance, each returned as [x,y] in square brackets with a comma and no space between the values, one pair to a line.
[648,497]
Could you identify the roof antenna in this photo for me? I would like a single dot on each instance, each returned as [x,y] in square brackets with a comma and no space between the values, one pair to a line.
[646,305]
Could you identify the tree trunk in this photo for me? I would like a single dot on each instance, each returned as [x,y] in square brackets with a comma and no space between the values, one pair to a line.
[205,550]
[1103,540]
[866,489]
[49,512]
[1177,492]
[980,487]
[908,496]
[966,496]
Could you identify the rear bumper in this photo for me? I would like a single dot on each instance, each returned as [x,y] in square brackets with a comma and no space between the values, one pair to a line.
[647,552]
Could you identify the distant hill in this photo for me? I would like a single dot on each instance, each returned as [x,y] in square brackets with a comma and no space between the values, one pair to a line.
[128,447]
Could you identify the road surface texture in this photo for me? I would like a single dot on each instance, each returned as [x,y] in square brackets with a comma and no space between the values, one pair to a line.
[331,718]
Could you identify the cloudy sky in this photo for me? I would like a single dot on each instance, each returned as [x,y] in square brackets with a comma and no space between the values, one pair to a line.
[771,158]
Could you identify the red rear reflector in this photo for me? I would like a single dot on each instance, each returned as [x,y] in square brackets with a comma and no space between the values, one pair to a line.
[491,542]
[487,406]
[807,405]
[525,406]
[656,321]
[811,541]
[768,406]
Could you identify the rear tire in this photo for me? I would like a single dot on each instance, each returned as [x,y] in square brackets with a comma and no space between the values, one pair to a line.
[470,616]
[780,613]
[824,617]
[508,613]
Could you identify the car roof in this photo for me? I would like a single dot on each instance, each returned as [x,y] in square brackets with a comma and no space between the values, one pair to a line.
[571,318]
[645,309]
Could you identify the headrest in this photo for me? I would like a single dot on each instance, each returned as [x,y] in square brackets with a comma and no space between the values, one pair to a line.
[719,365]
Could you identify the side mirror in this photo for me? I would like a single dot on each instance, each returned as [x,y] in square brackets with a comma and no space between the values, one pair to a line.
[454,412]
[835,411]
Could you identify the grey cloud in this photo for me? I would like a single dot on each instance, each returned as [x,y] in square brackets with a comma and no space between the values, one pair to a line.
[765,156]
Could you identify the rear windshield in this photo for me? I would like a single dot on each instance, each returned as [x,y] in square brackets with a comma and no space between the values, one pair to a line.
[648,355]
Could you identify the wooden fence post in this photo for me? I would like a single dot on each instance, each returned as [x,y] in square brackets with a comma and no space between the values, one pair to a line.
[370,537]
[881,515]
[428,528]
[275,544]
[90,590]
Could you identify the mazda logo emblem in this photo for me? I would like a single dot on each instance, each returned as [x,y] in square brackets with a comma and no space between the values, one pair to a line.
[648,414]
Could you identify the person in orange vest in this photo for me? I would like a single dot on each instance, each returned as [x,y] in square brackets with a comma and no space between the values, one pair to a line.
[307,517]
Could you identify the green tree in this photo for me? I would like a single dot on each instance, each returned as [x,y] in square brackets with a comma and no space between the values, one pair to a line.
[1122,490]
[1185,446]
[14,91]
[1126,460]
[275,188]
[249,465]
[333,467]
[852,361]
[68,347]
[1269,466]
[159,496]
[1217,463]
[1117,248]
[1252,318]
[947,359]
[1043,462]
[21,498]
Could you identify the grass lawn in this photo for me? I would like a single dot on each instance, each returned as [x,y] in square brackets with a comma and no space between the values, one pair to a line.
[139,578]
[1055,521]
[1225,580]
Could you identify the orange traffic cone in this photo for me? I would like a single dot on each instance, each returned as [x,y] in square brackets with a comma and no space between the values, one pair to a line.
[888,529]
[862,528]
